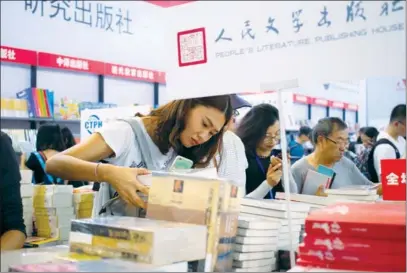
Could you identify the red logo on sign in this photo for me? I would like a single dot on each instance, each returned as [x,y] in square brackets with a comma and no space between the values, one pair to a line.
[394,179]
[191,47]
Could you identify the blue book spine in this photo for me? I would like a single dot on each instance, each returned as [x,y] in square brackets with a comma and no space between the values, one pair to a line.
[27,94]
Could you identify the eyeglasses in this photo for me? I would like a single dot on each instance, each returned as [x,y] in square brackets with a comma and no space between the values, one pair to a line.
[339,142]
[235,113]
[270,138]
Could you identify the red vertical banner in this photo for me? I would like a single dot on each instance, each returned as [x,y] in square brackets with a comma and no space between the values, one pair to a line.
[17,55]
[394,179]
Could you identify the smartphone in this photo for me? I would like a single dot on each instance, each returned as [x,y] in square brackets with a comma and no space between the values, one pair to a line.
[277,153]
[181,163]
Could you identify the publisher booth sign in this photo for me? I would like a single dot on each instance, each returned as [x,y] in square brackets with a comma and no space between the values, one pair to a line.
[394,179]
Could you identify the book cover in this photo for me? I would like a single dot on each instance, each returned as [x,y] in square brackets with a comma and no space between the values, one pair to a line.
[173,197]
[28,95]
[367,220]
[328,172]
[313,181]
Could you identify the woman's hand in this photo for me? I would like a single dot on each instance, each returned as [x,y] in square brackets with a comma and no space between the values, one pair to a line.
[124,180]
[274,174]
[321,192]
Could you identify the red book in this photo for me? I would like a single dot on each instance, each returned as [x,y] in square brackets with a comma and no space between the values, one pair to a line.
[383,220]
[36,102]
[352,266]
[355,245]
[334,256]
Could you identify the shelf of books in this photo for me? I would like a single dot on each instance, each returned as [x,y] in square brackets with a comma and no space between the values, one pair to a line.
[215,231]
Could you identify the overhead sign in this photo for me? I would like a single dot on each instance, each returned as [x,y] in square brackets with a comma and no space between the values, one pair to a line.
[233,47]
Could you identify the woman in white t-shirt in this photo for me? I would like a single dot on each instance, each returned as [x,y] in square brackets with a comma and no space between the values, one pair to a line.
[191,128]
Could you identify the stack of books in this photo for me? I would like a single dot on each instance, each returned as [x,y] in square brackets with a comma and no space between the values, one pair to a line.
[356,237]
[276,210]
[83,203]
[40,102]
[173,197]
[53,211]
[27,190]
[354,193]
[256,245]
[138,239]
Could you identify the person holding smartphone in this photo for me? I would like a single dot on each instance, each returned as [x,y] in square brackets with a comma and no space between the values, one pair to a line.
[191,128]
[260,132]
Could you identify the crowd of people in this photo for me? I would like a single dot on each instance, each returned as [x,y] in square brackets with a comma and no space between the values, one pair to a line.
[205,131]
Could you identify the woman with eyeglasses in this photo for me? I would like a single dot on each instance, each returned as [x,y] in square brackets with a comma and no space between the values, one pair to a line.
[330,139]
[259,130]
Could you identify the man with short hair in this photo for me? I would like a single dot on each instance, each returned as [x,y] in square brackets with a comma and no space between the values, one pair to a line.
[297,146]
[390,143]
[330,139]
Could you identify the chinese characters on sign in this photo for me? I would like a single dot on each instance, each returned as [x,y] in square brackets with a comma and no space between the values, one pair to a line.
[8,54]
[88,13]
[393,179]
[16,55]
[139,73]
[72,63]
[355,11]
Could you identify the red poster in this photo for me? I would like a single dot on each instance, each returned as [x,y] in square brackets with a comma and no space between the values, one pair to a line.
[302,99]
[17,55]
[320,102]
[351,107]
[134,73]
[70,63]
[394,179]
[337,104]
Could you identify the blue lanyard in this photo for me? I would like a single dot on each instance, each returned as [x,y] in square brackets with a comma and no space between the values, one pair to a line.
[263,171]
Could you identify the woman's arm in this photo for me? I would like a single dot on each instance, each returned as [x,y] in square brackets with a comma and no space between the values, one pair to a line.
[260,191]
[77,163]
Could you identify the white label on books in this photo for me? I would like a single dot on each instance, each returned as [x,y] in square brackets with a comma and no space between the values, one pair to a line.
[79,237]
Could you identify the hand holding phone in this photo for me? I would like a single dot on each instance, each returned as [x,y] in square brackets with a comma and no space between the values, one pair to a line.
[181,163]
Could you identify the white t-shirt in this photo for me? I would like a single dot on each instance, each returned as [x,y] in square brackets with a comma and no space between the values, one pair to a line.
[119,136]
[386,151]
[232,163]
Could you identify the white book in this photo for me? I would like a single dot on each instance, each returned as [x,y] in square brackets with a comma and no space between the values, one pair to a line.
[273,213]
[256,240]
[312,200]
[257,233]
[354,190]
[26,176]
[278,205]
[253,255]
[286,236]
[153,236]
[373,197]
[57,200]
[60,212]
[27,190]
[282,222]
[52,189]
[313,180]
[254,248]
[294,228]
[254,263]
[258,223]
[27,201]
[267,268]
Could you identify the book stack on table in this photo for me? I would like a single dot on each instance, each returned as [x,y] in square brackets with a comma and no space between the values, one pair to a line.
[256,245]
[356,236]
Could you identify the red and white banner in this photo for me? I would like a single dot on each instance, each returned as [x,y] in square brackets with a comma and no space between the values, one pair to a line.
[135,73]
[70,63]
[394,179]
[19,56]
[320,102]
[302,99]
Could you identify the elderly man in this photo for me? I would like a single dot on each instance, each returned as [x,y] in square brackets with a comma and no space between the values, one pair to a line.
[330,138]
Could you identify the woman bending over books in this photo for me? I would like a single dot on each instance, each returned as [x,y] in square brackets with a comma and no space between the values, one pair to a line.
[260,132]
[191,128]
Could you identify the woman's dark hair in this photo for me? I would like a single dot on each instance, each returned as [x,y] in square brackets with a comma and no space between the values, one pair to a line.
[49,136]
[253,126]
[371,132]
[171,120]
[68,138]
